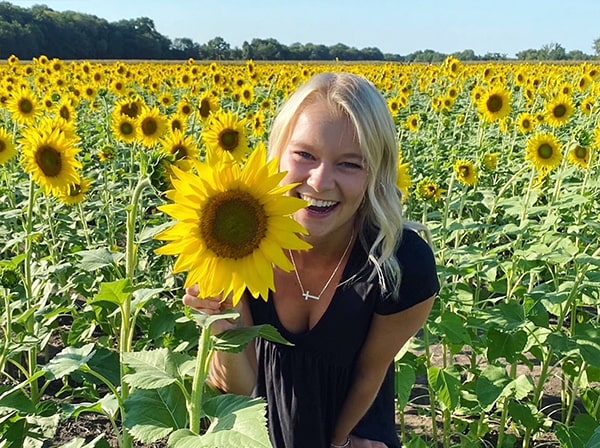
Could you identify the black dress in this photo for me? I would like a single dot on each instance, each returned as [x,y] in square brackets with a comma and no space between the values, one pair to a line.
[305,385]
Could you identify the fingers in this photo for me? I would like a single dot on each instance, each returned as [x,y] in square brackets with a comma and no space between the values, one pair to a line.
[357,442]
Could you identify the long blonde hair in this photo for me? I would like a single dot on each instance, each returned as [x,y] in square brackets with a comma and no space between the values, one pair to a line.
[381,212]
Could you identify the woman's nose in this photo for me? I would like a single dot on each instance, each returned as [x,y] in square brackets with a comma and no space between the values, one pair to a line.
[320,178]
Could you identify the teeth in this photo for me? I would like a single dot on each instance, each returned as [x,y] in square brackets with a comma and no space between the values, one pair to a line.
[318,203]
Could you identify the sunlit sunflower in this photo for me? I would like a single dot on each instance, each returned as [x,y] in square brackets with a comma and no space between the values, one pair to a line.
[166,100]
[66,111]
[132,107]
[76,193]
[429,190]
[559,111]
[526,123]
[232,227]
[7,147]
[24,106]
[123,128]
[151,126]
[580,157]
[177,122]
[207,105]
[180,147]
[185,108]
[246,95]
[544,151]
[466,172]
[588,105]
[413,123]
[404,183]
[226,133]
[49,157]
[495,104]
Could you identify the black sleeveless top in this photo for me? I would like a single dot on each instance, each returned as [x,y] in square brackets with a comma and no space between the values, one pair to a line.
[305,385]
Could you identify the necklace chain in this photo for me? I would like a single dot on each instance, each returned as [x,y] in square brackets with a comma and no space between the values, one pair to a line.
[305,293]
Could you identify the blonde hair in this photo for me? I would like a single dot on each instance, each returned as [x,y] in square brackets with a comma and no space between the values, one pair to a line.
[367,110]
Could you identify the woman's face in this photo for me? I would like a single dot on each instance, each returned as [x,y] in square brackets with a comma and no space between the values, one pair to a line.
[324,157]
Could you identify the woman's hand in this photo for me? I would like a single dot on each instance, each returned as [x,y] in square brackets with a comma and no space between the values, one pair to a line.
[357,442]
[211,306]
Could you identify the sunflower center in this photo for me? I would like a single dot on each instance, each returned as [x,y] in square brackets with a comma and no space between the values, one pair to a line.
[25,106]
[48,160]
[229,139]
[494,103]
[126,128]
[233,225]
[179,151]
[74,190]
[204,108]
[580,152]
[149,126]
[545,151]
[560,111]
[464,171]
[64,113]
[3,146]
[131,110]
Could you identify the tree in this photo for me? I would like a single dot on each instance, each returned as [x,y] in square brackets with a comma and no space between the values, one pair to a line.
[185,48]
[216,49]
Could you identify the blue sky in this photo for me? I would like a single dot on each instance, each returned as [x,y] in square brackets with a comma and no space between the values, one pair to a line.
[393,26]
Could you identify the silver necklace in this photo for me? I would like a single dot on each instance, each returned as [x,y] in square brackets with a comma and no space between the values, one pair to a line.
[306,294]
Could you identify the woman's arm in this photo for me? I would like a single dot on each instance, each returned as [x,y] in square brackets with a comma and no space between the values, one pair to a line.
[387,336]
[230,372]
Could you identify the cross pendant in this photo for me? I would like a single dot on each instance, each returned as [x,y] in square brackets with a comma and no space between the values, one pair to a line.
[307,295]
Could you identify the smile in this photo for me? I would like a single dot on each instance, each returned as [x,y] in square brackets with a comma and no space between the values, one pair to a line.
[318,205]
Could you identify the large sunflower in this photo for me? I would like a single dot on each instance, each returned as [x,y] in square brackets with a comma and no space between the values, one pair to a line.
[49,157]
[544,151]
[559,111]
[226,133]
[7,147]
[232,226]
[466,172]
[495,103]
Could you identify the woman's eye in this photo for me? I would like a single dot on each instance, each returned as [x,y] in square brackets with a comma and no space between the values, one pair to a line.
[304,155]
[351,165]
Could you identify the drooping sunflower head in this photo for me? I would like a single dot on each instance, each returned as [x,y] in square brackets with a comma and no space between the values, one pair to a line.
[75,193]
[413,123]
[580,156]
[151,126]
[544,151]
[429,190]
[466,172]
[7,147]
[233,225]
[207,105]
[559,111]
[49,157]
[226,133]
[495,104]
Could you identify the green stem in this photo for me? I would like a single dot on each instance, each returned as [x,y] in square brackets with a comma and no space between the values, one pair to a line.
[86,229]
[504,417]
[574,393]
[432,398]
[200,375]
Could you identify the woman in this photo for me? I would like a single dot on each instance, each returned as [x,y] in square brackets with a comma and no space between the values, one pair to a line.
[366,287]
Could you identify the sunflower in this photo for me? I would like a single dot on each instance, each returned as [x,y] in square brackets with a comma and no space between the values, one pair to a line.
[177,122]
[526,123]
[49,157]
[185,108]
[404,183]
[544,152]
[232,226]
[490,161]
[151,126]
[246,94]
[132,107]
[207,105]
[179,146]
[107,153]
[587,105]
[76,192]
[413,123]
[123,128]
[580,157]
[466,172]
[66,111]
[429,190]
[559,111]
[226,133]
[24,106]
[495,104]
[7,147]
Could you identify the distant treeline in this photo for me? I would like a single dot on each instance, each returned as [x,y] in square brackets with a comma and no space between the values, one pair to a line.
[31,32]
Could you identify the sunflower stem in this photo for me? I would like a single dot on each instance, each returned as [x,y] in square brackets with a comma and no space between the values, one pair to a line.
[86,229]
[195,411]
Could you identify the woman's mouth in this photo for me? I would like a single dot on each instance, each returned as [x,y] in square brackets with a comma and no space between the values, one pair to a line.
[319,205]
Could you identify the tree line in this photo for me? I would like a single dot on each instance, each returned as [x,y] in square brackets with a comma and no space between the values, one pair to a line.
[31,32]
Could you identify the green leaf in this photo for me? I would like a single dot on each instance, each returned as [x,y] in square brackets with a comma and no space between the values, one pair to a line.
[234,341]
[116,292]
[153,414]
[17,400]
[446,385]
[524,413]
[155,368]
[92,260]
[68,360]
[454,327]
[405,381]
[579,435]
[505,345]
[143,295]
[80,443]
[236,421]
[594,441]
[490,385]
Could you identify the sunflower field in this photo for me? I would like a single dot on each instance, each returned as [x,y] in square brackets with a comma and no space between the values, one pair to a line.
[500,161]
